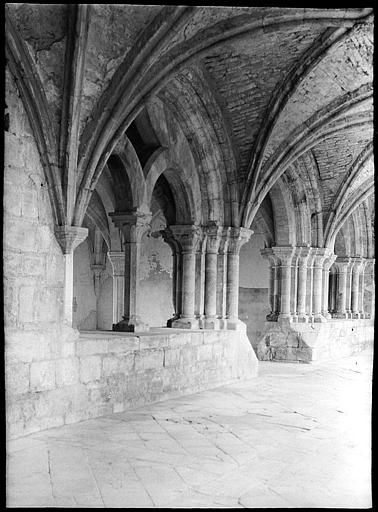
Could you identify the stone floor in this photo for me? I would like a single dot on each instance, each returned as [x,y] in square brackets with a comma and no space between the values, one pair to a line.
[297,436]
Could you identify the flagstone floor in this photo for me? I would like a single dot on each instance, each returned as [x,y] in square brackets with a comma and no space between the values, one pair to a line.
[297,436]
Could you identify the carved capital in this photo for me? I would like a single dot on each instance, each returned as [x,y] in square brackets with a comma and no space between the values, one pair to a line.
[284,254]
[237,238]
[321,254]
[213,239]
[188,236]
[304,254]
[224,238]
[69,237]
[342,264]
[117,260]
[133,225]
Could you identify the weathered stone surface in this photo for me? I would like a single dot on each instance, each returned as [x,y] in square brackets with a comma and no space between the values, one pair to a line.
[42,375]
[90,368]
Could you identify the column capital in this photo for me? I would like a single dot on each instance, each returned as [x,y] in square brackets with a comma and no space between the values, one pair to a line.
[358,264]
[342,263]
[117,260]
[224,239]
[132,224]
[237,237]
[189,236]
[268,254]
[329,261]
[69,237]
[213,234]
[97,268]
[369,266]
[321,254]
[304,253]
[284,253]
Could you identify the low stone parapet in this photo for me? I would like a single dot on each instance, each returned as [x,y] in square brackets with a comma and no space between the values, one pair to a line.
[108,372]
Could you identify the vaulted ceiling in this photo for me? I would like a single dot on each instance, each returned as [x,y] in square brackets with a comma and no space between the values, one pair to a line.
[243,106]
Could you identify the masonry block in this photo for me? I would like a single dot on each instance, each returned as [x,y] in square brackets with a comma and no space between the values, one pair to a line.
[42,375]
[26,304]
[67,371]
[90,368]
[89,347]
[147,359]
[17,378]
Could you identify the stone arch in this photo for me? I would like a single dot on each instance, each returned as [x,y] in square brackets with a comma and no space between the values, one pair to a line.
[185,187]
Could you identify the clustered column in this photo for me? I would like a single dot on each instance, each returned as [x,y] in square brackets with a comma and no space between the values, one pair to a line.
[208,273]
[296,284]
[352,288]
[133,226]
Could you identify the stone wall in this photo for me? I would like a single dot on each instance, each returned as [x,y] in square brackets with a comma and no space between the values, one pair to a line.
[253,308]
[253,289]
[33,277]
[103,373]
[316,341]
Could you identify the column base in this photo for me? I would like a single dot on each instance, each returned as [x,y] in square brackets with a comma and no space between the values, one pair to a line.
[131,326]
[171,320]
[327,315]
[340,315]
[356,315]
[319,318]
[185,323]
[210,323]
[272,317]
[303,319]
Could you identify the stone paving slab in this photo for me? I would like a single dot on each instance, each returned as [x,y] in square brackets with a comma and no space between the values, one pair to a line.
[298,436]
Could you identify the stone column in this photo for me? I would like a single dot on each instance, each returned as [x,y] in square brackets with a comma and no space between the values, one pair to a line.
[285,255]
[342,267]
[273,290]
[69,237]
[355,287]
[309,285]
[176,274]
[97,269]
[132,225]
[326,266]
[237,238]
[332,290]
[222,278]
[211,260]
[361,286]
[117,260]
[189,238]
[302,282]
[349,287]
[369,287]
[294,285]
[199,303]
[320,255]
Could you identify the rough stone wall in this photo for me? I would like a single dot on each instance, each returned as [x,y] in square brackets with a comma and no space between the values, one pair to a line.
[33,277]
[103,374]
